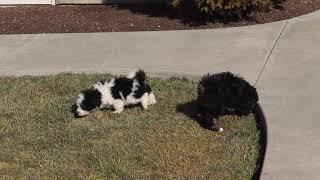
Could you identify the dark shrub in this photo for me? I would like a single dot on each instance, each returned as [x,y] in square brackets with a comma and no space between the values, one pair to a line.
[224,8]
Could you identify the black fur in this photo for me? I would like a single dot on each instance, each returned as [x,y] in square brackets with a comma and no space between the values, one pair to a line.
[142,89]
[121,85]
[140,76]
[92,99]
[124,85]
[224,93]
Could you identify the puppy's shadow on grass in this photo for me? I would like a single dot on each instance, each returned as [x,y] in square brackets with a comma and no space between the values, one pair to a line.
[73,109]
[190,110]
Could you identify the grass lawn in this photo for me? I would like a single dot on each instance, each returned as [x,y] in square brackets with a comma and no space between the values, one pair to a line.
[40,138]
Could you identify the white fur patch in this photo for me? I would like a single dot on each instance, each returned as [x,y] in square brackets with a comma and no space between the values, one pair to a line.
[105,90]
[80,99]
[132,74]
[152,99]
[81,112]
[135,86]
[145,101]
[118,106]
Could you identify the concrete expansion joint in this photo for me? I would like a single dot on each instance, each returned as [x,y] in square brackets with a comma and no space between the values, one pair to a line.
[271,50]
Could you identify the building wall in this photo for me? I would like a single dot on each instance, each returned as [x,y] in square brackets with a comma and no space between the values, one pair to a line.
[8,2]
[107,1]
[12,2]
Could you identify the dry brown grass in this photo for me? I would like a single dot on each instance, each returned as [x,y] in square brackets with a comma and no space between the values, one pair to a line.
[40,138]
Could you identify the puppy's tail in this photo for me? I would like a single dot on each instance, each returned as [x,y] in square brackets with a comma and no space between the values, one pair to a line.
[138,75]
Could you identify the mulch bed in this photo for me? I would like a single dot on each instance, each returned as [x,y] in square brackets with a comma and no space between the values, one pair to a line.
[113,18]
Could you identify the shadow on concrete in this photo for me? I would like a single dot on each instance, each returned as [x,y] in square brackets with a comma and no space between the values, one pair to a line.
[189,109]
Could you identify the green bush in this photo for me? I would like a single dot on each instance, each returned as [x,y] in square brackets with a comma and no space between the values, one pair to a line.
[239,8]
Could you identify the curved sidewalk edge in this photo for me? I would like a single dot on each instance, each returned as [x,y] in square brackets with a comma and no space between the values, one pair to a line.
[288,87]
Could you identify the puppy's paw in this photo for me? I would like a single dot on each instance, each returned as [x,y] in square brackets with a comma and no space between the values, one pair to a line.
[145,106]
[152,99]
[145,101]
[217,129]
[116,112]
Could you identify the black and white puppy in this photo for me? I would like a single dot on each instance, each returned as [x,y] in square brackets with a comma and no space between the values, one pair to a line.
[224,93]
[116,93]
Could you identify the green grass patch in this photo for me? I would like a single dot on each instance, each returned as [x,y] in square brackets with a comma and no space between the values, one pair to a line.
[40,138]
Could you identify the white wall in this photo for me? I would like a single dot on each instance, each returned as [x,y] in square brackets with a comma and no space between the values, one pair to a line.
[108,1]
[26,1]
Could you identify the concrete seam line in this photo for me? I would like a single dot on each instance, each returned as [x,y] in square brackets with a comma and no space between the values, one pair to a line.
[271,51]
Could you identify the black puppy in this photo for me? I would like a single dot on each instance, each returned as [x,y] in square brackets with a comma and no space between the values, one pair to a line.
[224,93]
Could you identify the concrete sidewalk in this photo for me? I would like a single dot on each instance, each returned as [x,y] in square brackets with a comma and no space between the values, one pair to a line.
[281,57]
[241,50]
[289,87]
